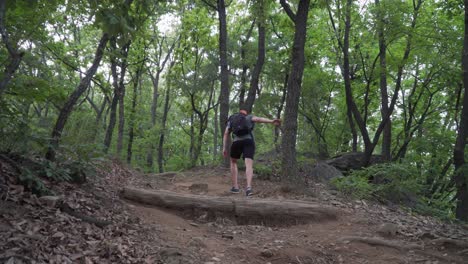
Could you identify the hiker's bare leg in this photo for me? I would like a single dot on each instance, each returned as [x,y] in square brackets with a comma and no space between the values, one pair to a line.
[234,173]
[249,171]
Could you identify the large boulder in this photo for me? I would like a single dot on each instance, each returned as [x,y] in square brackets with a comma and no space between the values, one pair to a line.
[322,172]
[352,161]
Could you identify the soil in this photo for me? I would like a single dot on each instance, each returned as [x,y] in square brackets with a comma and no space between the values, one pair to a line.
[222,241]
[365,232]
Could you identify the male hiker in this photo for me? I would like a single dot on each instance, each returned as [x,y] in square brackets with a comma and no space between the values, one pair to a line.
[241,126]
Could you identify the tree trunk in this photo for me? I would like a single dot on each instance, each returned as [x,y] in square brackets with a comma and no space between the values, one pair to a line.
[288,144]
[163,131]
[99,111]
[345,67]
[245,66]
[154,104]
[111,125]
[79,90]
[131,125]
[15,56]
[118,99]
[460,178]
[387,131]
[224,94]
[215,132]
[243,211]
[161,64]
[164,121]
[253,89]
[115,101]
[279,111]
[120,131]
[123,71]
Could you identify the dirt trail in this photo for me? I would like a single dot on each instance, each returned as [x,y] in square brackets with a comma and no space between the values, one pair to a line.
[222,241]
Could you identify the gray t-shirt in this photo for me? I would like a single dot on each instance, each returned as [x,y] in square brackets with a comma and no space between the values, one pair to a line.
[248,136]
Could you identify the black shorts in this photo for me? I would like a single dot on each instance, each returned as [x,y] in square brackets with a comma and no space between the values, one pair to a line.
[245,147]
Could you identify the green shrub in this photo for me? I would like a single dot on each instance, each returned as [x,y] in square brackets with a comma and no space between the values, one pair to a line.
[32,182]
[356,186]
[263,171]
[398,183]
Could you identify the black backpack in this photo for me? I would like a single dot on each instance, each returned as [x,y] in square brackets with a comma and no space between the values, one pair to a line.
[240,126]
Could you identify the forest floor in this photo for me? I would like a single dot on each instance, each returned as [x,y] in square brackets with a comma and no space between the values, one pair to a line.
[100,227]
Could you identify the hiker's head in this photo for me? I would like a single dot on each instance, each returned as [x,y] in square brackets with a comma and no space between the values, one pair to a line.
[243,111]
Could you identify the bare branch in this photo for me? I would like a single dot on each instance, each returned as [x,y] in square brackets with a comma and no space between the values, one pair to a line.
[288,10]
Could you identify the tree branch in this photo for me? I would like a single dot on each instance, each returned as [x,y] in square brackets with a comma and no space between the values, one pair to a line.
[288,10]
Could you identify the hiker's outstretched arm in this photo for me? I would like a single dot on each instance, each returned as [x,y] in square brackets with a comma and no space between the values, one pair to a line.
[257,119]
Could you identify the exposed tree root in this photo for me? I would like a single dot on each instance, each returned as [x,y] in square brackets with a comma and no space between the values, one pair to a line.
[67,209]
[242,211]
[400,246]
[453,242]
[380,242]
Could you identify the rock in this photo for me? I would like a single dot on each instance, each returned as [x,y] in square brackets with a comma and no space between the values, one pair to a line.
[352,161]
[427,235]
[322,172]
[267,253]
[227,236]
[388,230]
[50,201]
[197,242]
[199,188]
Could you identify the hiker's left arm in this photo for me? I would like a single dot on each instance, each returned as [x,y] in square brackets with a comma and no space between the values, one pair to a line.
[275,122]
[225,141]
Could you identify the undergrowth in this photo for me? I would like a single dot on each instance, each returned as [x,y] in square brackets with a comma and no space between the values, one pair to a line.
[395,183]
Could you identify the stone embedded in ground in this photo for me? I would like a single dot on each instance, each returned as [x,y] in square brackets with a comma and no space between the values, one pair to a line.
[199,188]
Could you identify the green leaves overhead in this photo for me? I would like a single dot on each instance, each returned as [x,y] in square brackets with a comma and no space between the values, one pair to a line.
[60,37]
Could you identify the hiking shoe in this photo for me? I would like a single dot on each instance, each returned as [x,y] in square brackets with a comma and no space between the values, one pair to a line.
[234,190]
[248,192]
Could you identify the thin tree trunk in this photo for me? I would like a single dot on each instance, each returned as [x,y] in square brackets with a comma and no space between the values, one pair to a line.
[387,131]
[163,131]
[131,132]
[192,140]
[123,71]
[99,111]
[288,144]
[202,120]
[164,121]
[345,67]
[223,63]
[460,178]
[279,111]
[254,81]
[79,90]
[118,98]
[15,56]
[245,66]
[216,130]
[155,81]
[115,101]
[120,131]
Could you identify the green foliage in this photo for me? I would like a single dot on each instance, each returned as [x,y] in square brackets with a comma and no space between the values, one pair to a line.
[32,182]
[442,208]
[34,176]
[356,186]
[59,40]
[263,171]
[395,182]
[53,171]
[398,183]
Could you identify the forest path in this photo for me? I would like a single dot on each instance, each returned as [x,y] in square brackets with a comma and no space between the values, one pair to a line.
[363,233]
